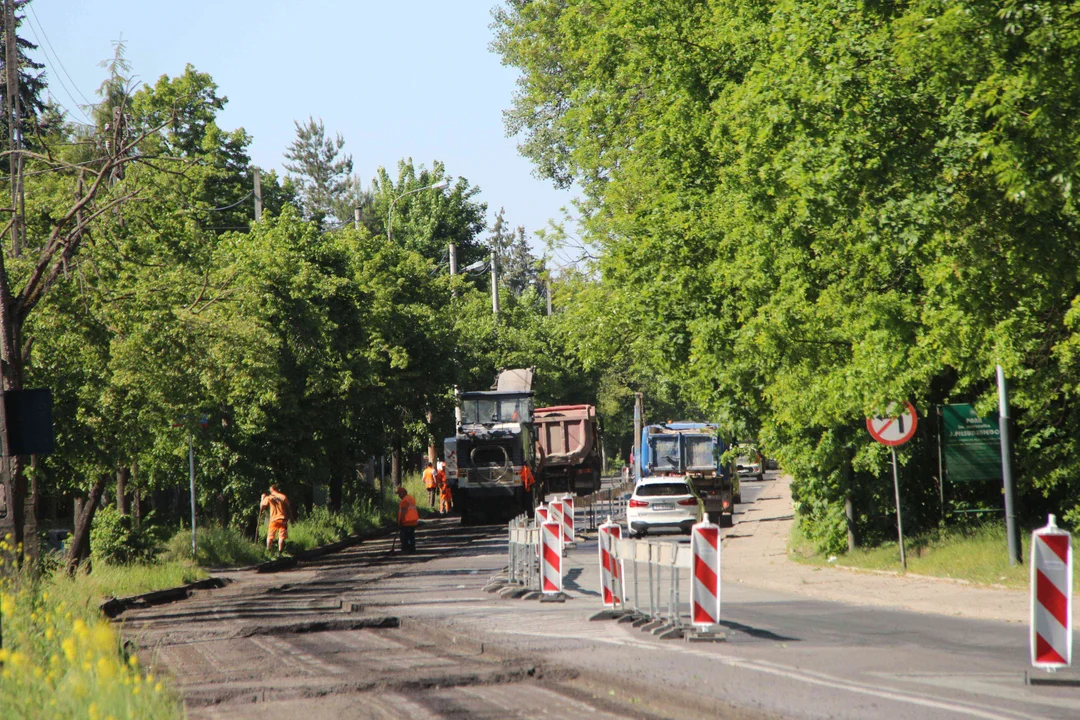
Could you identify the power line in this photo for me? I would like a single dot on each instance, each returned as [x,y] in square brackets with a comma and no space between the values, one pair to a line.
[61,65]
[56,54]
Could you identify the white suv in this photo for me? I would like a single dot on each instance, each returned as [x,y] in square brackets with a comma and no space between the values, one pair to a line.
[663,502]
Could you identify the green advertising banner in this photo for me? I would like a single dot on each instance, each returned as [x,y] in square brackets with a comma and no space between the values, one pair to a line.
[972,445]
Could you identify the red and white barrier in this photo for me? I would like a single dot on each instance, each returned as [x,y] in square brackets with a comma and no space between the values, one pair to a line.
[705,598]
[1051,597]
[556,513]
[568,519]
[541,513]
[610,568]
[551,557]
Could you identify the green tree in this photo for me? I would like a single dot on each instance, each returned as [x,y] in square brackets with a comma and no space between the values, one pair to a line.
[323,173]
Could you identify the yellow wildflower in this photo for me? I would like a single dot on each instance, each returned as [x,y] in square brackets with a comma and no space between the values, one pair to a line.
[105,668]
[103,637]
[68,646]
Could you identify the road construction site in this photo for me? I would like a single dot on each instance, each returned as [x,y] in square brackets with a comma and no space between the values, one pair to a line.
[367,633]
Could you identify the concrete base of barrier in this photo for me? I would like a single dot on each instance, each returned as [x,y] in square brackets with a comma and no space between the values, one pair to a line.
[512,592]
[494,586]
[672,633]
[631,617]
[651,625]
[705,636]
[553,597]
[610,615]
[532,595]
[642,621]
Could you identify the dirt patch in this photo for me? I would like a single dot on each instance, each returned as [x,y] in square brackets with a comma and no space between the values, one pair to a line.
[755,552]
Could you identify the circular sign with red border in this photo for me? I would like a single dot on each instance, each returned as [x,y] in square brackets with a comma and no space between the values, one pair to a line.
[893,431]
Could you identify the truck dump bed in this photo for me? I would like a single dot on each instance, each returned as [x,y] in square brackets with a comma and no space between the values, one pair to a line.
[566,433]
[568,444]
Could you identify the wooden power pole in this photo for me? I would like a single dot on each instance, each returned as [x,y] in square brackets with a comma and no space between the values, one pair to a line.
[11,80]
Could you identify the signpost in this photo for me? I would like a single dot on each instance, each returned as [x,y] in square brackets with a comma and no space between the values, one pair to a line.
[896,427]
[972,445]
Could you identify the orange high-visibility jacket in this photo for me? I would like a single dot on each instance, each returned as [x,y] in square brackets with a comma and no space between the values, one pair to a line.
[407,515]
[278,504]
[429,478]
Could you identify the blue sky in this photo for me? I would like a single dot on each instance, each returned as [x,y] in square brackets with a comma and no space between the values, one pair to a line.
[396,79]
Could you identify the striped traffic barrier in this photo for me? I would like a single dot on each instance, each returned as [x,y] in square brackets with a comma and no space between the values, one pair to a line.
[568,520]
[610,576]
[1051,597]
[555,514]
[705,583]
[551,558]
[541,514]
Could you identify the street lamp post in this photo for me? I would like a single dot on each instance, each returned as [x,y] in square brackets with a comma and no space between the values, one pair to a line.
[390,213]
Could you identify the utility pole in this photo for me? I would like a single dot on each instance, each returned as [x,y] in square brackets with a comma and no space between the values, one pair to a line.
[547,290]
[638,412]
[453,259]
[11,62]
[258,193]
[356,218]
[1011,530]
[494,282]
[191,470]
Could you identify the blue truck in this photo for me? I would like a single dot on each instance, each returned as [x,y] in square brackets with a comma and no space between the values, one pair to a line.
[695,451]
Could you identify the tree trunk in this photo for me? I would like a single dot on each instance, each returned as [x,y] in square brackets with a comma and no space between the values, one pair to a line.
[333,496]
[432,451]
[136,498]
[123,474]
[395,462]
[80,543]
[849,506]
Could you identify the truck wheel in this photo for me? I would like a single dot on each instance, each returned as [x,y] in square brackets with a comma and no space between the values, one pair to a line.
[738,498]
[726,520]
[714,518]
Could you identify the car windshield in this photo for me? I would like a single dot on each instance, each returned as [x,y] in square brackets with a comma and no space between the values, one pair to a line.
[662,490]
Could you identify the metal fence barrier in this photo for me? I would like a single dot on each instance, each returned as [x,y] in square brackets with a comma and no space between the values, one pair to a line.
[655,578]
[603,504]
[523,568]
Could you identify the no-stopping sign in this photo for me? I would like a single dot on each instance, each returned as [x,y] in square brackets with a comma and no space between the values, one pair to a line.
[891,430]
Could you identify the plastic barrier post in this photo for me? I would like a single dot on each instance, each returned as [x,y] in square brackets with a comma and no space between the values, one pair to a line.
[1051,597]
[610,585]
[705,576]
[555,514]
[551,554]
[568,519]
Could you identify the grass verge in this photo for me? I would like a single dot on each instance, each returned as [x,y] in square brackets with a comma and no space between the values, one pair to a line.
[978,556]
[60,657]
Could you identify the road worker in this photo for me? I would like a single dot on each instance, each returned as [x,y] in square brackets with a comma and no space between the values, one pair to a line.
[446,498]
[407,519]
[430,484]
[278,505]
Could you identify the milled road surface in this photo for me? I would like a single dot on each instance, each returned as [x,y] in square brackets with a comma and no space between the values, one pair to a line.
[361,634]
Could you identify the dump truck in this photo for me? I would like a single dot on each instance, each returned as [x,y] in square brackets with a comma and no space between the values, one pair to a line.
[569,449]
[693,450]
[495,440]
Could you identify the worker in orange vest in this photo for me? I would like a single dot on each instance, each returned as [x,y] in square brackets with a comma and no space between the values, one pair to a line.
[446,498]
[407,519]
[430,484]
[279,508]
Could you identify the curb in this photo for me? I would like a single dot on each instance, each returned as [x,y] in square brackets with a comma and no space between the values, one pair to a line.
[115,606]
[315,553]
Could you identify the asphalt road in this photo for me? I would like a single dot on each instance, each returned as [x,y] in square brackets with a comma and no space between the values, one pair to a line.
[362,634]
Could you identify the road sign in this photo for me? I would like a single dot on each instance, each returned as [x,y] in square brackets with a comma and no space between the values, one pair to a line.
[893,431]
[972,445]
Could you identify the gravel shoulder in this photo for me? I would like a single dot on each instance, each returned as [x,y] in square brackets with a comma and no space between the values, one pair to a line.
[756,554]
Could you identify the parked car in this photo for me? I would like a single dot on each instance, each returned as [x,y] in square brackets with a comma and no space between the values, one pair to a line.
[748,463]
[668,503]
